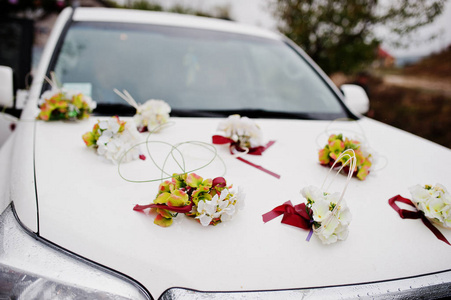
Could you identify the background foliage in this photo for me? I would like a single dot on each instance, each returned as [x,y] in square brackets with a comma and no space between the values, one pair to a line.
[340,34]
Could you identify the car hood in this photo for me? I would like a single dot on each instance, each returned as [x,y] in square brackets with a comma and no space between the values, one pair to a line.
[86,207]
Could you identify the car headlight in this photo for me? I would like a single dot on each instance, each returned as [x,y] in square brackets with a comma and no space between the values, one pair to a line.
[31,268]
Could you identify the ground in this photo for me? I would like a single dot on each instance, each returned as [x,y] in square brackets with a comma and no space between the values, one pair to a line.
[416,98]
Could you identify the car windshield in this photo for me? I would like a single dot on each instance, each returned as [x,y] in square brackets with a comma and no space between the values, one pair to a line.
[193,70]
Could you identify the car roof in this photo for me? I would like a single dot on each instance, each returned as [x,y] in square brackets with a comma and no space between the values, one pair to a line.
[169,19]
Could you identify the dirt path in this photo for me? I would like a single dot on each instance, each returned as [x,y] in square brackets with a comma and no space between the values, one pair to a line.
[442,86]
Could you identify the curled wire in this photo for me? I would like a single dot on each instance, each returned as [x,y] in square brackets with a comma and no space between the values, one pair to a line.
[175,153]
[351,161]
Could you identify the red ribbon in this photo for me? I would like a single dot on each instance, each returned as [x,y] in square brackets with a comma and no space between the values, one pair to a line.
[177,209]
[292,215]
[221,140]
[417,214]
[259,167]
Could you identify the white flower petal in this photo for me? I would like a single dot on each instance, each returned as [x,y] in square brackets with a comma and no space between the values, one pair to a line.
[320,210]
[204,220]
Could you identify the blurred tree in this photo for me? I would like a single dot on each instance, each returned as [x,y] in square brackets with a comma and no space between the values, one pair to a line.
[339,34]
[221,12]
[30,9]
[145,5]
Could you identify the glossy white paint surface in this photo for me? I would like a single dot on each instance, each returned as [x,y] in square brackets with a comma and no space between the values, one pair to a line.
[6,87]
[86,207]
[21,157]
[5,172]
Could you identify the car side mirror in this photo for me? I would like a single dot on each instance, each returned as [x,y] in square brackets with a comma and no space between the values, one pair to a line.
[6,87]
[356,98]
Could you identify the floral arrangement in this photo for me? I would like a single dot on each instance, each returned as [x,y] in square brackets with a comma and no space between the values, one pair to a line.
[329,217]
[115,140]
[242,133]
[324,214]
[209,201]
[61,104]
[434,202]
[150,115]
[244,137]
[336,145]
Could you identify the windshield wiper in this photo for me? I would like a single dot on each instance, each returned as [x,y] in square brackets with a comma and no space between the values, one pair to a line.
[254,113]
[127,110]
[109,109]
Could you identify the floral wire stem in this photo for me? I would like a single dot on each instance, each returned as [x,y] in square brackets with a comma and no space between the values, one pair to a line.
[209,147]
[352,161]
[164,174]
[325,214]
[359,134]
[170,153]
[364,140]
[327,131]
[168,176]
[127,97]
[53,82]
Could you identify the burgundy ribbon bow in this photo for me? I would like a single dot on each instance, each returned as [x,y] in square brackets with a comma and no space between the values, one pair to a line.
[296,216]
[417,214]
[221,140]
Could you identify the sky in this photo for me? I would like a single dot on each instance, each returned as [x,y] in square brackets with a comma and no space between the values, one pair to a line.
[256,12]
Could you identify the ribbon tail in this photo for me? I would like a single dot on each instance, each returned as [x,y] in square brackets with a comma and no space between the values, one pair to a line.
[408,214]
[259,150]
[141,207]
[177,209]
[309,236]
[259,167]
[434,230]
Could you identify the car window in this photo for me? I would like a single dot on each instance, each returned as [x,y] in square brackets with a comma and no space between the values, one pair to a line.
[191,69]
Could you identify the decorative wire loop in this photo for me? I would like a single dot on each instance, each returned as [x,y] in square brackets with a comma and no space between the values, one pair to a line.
[127,97]
[351,160]
[237,154]
[175,153]
[359,135]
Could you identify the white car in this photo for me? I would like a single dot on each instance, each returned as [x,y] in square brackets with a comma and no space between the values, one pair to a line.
[68,226]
